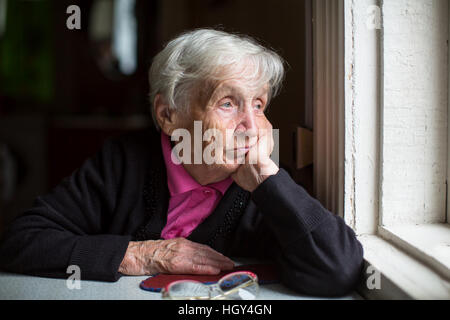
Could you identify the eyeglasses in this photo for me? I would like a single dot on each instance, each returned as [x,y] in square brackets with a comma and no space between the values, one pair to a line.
[242,285]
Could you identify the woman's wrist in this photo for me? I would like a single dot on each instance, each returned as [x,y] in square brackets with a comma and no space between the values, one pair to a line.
[135,262]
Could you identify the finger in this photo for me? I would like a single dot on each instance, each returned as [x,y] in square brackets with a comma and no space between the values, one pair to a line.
[266,137]
[198,247]
[205,260]
[213,254]
[225,262]
[252,155]
[187,266]
[204,254]
[201,269]
[201,258]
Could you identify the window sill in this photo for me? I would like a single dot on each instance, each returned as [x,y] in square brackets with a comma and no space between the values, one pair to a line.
[429,243]
[402,276]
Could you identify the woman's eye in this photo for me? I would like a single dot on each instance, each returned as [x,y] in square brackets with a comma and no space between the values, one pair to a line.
[259,107]
[227,105]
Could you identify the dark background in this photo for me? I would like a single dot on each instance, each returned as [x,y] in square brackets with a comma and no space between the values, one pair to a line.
[58,105]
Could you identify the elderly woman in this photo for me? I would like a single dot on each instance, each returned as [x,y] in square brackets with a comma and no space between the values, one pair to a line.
[132,210]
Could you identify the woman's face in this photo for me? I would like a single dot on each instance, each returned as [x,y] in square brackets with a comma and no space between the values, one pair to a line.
[235,110]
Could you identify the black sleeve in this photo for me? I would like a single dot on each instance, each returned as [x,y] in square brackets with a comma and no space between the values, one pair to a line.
[318,253]
[67,226]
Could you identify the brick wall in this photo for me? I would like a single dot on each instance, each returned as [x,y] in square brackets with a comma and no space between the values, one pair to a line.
[414,159]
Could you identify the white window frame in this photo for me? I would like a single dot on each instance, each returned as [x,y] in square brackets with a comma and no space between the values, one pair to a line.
[355,79]
[448,134]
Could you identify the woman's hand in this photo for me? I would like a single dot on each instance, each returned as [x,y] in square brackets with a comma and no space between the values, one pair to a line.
[258,166]
[174,256]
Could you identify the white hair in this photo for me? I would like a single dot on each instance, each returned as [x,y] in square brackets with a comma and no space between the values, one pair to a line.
[205,55]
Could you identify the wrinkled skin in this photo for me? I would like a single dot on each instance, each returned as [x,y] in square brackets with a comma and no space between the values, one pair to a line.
[236,104]
[174,256]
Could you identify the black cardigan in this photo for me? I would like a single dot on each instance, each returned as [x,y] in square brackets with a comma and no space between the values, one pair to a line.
[121,195]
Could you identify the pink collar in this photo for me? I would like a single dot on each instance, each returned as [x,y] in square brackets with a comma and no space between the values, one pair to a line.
[178,179]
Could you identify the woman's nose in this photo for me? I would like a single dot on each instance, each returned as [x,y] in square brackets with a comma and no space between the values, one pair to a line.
[248,120]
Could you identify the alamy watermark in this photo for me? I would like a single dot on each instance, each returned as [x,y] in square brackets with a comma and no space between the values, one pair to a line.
[373,21]
[74,20]
[373,281]
[74,280]
[212,147]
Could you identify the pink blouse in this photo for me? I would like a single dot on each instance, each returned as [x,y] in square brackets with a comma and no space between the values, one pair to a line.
[190,203]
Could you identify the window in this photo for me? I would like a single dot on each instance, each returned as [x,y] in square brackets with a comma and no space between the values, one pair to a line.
[393,134]
[3,8]
[414,127]
[113,32]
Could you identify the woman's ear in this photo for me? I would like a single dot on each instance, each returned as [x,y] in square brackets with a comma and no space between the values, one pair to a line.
[164,116]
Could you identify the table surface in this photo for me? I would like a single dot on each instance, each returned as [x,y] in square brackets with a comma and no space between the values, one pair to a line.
[23,287]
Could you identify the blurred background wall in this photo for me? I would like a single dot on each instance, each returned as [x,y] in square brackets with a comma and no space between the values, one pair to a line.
[63,92]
